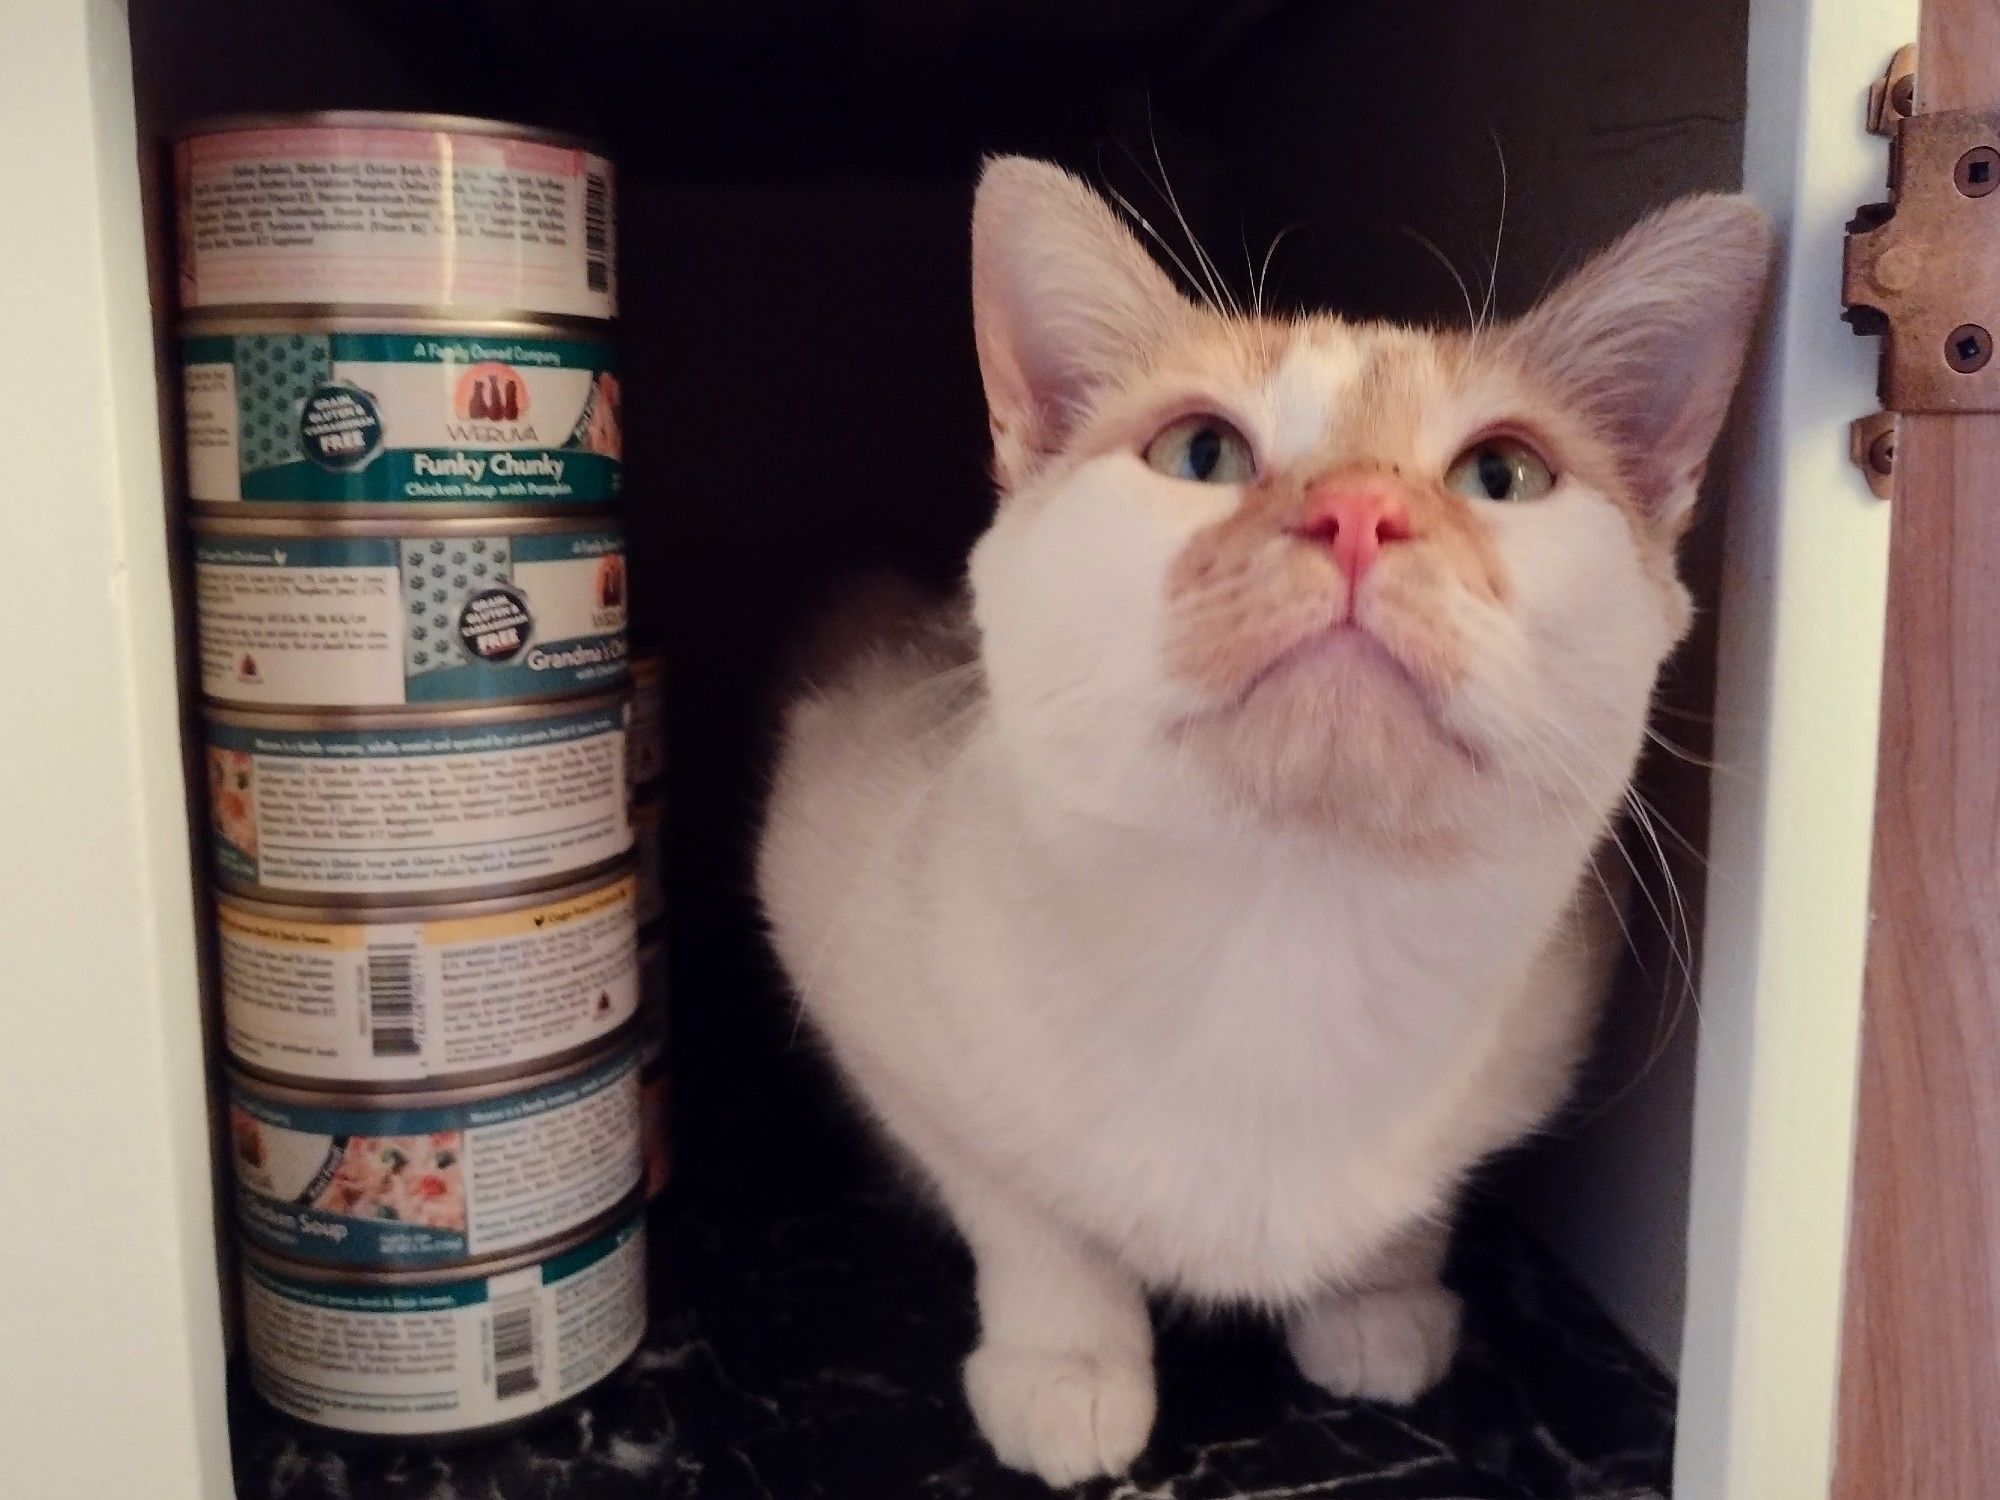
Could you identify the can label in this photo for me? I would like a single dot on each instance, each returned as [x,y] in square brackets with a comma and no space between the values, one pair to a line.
[420,811]
[446,1357]
[404,217]
[380,622]
[399,1002]
[350,1185]
[406,418]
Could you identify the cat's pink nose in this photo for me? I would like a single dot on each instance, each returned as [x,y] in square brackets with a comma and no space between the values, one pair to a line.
[1354,518]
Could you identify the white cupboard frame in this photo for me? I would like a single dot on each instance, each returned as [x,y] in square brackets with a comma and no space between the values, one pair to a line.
[111,1384]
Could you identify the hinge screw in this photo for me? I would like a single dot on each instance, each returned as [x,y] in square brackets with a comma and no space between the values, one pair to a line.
[1977,172]
[1968,348]
[1882,452]
[1903,94]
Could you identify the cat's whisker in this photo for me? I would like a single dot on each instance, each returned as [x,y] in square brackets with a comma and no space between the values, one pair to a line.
[1685,755]
[1471,314]
[1499,232]
[1689,989]
[1693,850]
[1675,923]
[1264,269]
[1194,283]
[1690,715]
[1201,256]
[1668,926]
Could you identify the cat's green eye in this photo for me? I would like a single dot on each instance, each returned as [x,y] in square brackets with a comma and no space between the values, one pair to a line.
[1204,449]
[1500,468]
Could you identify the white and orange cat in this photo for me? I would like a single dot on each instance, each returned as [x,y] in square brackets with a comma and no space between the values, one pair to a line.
[1196,904]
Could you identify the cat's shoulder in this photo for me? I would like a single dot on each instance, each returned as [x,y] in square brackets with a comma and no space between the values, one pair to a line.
[885,671]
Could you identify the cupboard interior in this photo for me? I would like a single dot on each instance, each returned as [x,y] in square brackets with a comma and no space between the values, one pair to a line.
[803,399]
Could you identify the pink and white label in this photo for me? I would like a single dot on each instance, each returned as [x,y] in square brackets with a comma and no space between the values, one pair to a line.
[391,217]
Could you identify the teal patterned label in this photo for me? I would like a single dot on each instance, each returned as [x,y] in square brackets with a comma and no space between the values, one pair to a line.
[333,1298]
[373,622]
[387,418]
[407,1188]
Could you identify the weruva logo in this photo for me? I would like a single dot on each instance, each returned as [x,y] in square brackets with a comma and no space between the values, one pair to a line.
[491,403]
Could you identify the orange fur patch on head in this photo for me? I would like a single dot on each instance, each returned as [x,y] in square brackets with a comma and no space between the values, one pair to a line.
[1249,587]
[1326,695]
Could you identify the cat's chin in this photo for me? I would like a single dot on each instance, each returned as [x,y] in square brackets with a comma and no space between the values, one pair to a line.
[1338,733]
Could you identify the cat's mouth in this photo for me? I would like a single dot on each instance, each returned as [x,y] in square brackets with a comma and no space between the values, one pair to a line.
[1351,660]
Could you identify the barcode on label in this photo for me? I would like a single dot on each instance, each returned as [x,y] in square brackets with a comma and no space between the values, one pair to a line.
[392,1002]
[513,1330]
[597,231]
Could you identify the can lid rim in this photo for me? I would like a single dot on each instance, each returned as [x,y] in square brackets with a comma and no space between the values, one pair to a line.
[336,317]
[510,713]
[629,1209]
[396,528]
[619,1045]
[419,121]
[435,911]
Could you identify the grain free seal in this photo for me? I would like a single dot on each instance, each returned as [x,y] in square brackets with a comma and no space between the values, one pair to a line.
[437,1178]
[445,1354]
[377,614]
[382,416]
[374,808]
[442,212]
[433,995]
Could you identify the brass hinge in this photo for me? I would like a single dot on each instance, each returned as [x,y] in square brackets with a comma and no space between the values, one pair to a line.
[1923,270]
[1871,440]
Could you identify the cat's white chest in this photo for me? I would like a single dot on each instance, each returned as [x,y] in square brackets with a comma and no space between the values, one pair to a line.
[1233,1087]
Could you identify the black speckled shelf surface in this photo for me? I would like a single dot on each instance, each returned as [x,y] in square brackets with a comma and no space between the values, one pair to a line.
[813,1356]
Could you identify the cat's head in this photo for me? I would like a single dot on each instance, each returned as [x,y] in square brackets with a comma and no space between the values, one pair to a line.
[1403,585]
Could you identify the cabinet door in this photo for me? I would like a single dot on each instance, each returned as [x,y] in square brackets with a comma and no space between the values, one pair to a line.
[1920,1367]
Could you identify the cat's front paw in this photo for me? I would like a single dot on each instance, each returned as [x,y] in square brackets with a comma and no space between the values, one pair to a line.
[1063,1417]
[1390,1345]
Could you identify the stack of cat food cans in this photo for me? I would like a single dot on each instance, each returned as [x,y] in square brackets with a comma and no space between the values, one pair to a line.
[403,452]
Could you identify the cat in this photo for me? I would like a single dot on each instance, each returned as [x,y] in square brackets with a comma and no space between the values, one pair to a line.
[1200,899]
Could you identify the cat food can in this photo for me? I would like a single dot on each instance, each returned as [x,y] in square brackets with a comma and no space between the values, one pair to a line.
[458,216]
[435,996]
[646,736]
[437,1178]
[446,1354]
[387,615]
[321,414]
[372,809]
[649,854]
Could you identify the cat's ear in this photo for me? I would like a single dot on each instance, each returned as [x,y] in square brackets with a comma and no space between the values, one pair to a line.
[1650,335]
[1064,298]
